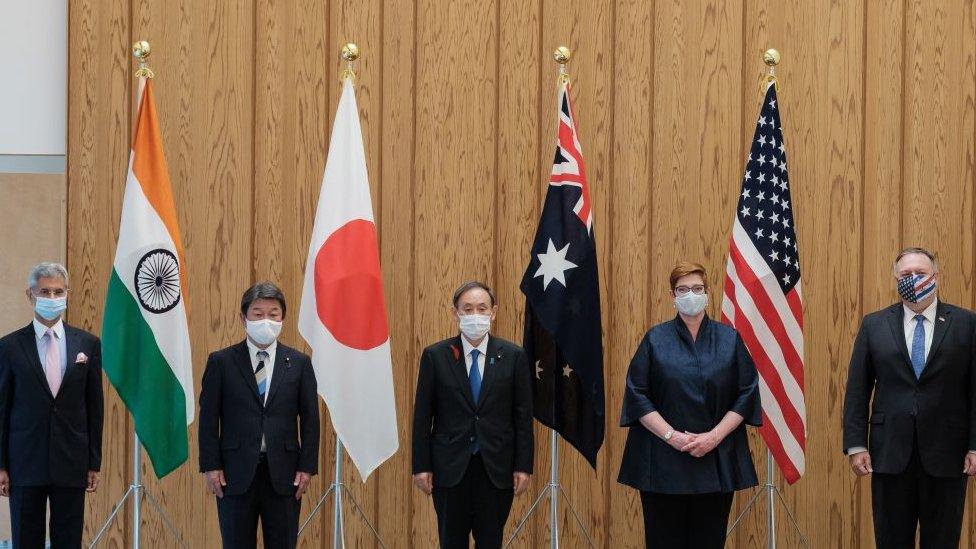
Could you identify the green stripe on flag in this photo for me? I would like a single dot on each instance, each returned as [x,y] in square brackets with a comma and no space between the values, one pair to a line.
[145,381]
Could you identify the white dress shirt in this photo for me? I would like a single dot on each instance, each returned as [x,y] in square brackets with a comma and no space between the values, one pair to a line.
[928,323]
[39,331]
[482,352]
[268,367]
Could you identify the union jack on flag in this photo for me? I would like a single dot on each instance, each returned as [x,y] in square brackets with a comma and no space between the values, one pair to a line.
[762,297]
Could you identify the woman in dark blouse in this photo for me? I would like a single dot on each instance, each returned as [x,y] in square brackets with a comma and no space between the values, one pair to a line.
[691,388]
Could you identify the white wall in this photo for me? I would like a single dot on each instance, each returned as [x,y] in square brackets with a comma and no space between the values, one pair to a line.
[33,76]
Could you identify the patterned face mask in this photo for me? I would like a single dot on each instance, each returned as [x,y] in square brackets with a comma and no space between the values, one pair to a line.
[916,287]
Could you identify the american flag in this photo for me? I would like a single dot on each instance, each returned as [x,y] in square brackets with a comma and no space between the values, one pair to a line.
[563,335]
[762,300]
[916,287]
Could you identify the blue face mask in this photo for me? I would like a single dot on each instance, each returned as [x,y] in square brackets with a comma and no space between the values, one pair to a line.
[50,308]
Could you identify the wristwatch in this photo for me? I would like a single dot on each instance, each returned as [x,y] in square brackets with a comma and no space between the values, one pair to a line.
[668,435]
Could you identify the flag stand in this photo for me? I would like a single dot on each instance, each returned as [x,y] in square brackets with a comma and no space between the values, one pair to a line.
[772,493]
[552,489]
[136,490]
[338,490]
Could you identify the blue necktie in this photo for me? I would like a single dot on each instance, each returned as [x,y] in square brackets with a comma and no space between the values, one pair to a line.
[918,346]
[261,374]
[474,376]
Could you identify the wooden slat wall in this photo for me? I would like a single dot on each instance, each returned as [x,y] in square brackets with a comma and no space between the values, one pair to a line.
[457,103]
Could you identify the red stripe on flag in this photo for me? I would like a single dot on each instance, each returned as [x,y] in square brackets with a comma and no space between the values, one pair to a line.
[769,374]
[796,305]
[768,311]
[786,465]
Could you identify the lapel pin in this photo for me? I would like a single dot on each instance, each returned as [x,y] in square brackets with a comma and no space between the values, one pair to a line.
[287,362]
[941,319]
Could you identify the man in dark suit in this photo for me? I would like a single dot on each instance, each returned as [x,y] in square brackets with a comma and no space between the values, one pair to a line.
[259,427]
[918,360]
[50,417]
[472,425]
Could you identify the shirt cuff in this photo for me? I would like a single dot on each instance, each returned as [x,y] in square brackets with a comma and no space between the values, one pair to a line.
[856,450]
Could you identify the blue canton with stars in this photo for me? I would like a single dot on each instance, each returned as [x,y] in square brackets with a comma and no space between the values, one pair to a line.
[765,208]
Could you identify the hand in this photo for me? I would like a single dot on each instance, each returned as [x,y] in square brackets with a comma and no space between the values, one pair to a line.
[93,479]
[4,483]
[301,483]
[969,465]
[702,444]
[424,481]
[521,482]
[861,463]
[215,482]
[680,440]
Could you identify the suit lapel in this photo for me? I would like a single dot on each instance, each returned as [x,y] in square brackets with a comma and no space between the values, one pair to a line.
[491,359]
[943,319]
[246,370]
[71,345]
[28,342]
[896,321]
[460,369]
[281,363]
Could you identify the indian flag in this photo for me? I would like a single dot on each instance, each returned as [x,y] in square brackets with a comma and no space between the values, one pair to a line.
[145,341]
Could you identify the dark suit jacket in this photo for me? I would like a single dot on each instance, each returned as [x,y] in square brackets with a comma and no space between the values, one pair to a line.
[938,408]
[692,384]
[47,440]
[232,418]
[447,421]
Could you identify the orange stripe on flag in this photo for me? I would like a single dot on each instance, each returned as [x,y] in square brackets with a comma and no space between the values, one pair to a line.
[149,167]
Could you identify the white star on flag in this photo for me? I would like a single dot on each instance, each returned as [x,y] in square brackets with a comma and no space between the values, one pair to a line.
[553,265]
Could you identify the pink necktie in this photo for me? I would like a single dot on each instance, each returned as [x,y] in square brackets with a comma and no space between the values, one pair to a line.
[52,363]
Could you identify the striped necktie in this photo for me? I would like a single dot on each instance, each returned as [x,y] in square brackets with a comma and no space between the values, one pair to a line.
[261,374]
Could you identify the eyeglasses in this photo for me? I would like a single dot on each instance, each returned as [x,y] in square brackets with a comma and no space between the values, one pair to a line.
[50,292]
[697,289]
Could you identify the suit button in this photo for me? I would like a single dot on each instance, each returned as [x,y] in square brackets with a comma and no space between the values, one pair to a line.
[476,418]
[54,409]
[471,439]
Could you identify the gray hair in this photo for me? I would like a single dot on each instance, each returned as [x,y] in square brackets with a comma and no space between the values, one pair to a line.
[468,286]
[46,270]
[915,250]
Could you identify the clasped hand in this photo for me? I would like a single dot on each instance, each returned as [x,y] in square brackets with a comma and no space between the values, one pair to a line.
[696,444]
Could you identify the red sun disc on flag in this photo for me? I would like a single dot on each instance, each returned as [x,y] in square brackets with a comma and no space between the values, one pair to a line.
[349,286]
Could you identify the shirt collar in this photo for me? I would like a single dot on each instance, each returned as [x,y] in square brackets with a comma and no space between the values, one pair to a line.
[40,329]
[928,313]
[253,349]
[468,347]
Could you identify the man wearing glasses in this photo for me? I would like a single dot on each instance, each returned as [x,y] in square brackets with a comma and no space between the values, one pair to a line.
[50,417]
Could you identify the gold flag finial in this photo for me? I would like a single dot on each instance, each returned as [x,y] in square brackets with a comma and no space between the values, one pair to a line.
[562,55]
[349,53]
[141,51]
[771,58]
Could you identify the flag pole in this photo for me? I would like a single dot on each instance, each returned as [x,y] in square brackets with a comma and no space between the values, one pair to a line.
[141,51]
[338,491]
[771,58]
[561,55]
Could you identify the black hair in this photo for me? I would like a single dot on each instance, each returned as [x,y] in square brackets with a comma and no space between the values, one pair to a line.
[474,284]
[263,290]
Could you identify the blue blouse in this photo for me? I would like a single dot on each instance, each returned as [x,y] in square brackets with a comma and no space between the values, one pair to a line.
[692,384]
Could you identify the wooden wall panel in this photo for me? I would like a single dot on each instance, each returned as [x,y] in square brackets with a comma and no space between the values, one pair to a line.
[879,110]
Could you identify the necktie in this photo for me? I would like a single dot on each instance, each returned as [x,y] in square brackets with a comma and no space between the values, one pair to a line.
[918,346]
[52,363]
[474,376]
[261,374]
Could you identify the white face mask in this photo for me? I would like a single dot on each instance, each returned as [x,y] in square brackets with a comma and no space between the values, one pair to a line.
[263,332]
[691,303]
[474,326]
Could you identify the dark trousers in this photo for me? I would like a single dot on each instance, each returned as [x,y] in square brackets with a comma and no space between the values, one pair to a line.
[473,506]
[685,521]
[238,515]
[28,509]
[903,502]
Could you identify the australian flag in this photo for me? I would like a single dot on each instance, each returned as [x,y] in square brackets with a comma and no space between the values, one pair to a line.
[562,300]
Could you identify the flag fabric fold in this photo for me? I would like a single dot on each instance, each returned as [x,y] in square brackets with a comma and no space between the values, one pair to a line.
[343,309]
[762,296]
[562,333]
[145,340]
